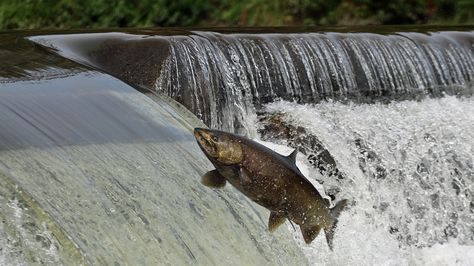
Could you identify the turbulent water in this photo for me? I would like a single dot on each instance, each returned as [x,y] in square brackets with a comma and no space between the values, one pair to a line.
[407,167]
[422,210]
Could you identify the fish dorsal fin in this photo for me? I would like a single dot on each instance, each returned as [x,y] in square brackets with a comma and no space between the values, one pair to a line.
[292,155]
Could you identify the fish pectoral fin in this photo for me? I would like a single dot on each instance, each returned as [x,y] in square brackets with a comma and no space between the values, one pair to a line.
[213,179]
[276,219]
[310,232]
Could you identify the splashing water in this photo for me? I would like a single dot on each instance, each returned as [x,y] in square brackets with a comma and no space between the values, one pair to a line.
[422,211]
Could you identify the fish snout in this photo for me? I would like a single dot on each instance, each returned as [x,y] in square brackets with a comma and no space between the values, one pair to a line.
[203,136]
[197,132]
[201,133]
[205,140]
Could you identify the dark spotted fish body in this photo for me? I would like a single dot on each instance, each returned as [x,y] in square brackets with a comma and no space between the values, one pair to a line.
[270,179]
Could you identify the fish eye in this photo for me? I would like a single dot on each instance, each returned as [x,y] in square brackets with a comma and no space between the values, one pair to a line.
[214,138]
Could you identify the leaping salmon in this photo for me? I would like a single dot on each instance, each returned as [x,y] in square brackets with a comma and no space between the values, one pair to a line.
[271,180]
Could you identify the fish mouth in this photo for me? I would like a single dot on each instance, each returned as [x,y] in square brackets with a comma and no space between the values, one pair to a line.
[204,137]
[200,135]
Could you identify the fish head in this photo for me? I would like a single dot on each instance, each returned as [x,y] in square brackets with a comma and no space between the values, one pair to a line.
[219,146]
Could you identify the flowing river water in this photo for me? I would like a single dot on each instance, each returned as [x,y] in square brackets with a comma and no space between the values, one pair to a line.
[383,119]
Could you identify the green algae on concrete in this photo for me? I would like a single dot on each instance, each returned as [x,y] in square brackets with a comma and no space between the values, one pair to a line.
[30,235]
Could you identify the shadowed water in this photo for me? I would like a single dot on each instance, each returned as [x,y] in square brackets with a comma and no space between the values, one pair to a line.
[57,114]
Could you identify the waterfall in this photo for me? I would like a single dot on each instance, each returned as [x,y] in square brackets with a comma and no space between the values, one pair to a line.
[424,200]
[221,77]
[384,120]
[407,166]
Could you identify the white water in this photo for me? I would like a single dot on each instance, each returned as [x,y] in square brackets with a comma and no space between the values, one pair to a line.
[425,147]
[8,255]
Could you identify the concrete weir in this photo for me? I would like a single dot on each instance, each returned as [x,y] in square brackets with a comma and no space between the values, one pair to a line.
[94,172]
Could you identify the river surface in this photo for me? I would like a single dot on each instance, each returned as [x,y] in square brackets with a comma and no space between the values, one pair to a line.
[99,165]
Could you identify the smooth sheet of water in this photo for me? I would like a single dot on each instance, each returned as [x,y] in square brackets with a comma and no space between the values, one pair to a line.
[94,172]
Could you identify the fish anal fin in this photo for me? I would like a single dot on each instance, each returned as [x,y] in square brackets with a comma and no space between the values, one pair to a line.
[310,232]
[276,219]
[335,212]
[292,155]
[213,179]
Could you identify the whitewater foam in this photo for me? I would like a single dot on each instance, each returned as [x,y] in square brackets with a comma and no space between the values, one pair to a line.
[421,212]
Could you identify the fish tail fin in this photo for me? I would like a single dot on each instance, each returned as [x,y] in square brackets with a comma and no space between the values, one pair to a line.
[334,212]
